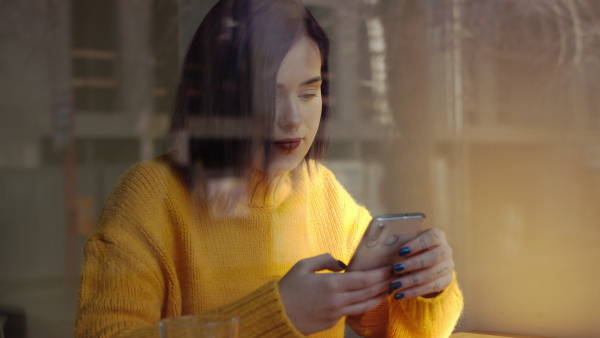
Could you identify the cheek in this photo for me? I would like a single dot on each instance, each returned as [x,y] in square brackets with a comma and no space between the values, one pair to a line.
[313,117]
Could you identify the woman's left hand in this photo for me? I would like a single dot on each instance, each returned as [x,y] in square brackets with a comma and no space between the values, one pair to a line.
[424,266]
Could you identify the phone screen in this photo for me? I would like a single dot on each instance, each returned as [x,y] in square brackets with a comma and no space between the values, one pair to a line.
[382,240]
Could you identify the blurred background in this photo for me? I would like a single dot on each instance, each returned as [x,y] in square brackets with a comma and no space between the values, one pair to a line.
[479,113]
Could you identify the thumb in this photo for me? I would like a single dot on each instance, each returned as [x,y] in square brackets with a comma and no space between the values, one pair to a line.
[321,262]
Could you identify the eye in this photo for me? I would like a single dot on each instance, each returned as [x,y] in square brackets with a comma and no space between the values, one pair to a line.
[308,95]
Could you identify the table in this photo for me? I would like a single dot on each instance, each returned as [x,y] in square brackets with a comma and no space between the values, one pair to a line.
[484,334]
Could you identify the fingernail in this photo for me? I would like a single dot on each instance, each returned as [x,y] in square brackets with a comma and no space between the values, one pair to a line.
[399,267]
[399,296]
[342,265]
[395,286]
[404,251]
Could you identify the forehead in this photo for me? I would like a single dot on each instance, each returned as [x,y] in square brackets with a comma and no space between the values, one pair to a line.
[302,61]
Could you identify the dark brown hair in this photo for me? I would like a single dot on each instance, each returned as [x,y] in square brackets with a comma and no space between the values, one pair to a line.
[228,81]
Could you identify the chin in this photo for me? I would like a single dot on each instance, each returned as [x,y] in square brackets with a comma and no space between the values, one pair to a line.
[282,165]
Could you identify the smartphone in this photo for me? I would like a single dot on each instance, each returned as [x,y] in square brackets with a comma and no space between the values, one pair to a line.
[384,237]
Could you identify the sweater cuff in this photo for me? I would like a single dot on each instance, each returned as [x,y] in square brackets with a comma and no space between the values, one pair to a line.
[261,313]
[440,313]
[451,295]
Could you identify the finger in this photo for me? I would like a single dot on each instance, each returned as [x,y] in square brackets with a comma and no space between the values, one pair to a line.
[423,276]
[425,240]
[424,259]
[363,295]
[428,288]
[362,307]
[357,280]
[318,263]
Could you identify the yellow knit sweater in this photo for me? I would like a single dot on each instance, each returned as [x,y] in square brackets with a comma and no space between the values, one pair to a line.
[160,251]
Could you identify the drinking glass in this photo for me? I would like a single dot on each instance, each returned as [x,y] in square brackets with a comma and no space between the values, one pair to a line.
[201,326]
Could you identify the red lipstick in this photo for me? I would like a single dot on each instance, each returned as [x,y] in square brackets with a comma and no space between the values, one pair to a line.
[288,144]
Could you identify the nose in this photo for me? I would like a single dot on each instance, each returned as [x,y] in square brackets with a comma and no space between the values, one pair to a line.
[288,114]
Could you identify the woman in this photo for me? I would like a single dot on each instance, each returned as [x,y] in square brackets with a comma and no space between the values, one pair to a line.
[177,237]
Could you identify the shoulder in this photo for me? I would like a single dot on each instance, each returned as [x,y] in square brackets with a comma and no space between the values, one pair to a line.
[158,167]
[143,190]
[317,173]
[322,181]
[140,212]
[150,176]
[317,177]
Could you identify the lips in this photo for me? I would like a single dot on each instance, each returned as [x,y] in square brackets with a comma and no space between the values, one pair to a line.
[288,144]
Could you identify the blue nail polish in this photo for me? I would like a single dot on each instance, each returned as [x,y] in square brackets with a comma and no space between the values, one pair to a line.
[399,296]
[404,251]
[395,286]
[399,267]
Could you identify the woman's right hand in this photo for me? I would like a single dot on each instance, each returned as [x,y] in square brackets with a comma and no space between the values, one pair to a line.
[316,301]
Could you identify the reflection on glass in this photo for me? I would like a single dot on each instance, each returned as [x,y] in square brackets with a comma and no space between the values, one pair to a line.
[481,114]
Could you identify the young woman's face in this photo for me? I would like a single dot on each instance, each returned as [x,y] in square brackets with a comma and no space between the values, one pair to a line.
[299,105]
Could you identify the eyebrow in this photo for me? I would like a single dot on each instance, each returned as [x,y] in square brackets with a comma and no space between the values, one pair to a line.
[304,83]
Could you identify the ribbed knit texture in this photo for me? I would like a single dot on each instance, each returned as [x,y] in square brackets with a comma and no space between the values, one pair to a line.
[160,251]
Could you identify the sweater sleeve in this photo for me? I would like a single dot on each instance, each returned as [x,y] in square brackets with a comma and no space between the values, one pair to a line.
[123,296]
[128,279]
[417,317]
[119,292]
